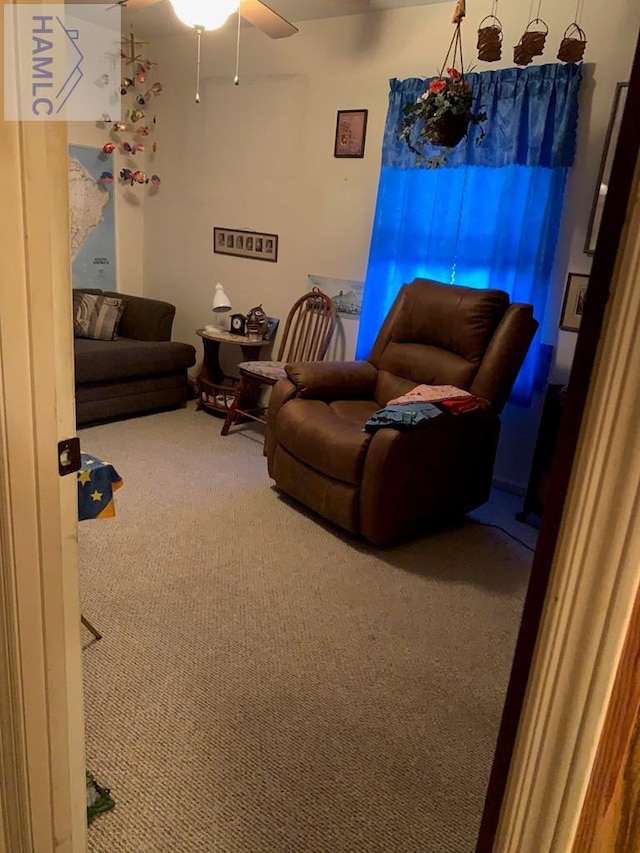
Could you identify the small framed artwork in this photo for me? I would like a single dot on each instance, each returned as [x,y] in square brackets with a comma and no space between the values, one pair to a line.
[351,131]
[573,305]
[272,325]
[245,244]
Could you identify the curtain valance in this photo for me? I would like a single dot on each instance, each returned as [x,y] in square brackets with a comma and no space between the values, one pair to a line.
[532,116]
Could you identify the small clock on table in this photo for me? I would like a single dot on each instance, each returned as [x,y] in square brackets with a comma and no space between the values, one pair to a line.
[238,324]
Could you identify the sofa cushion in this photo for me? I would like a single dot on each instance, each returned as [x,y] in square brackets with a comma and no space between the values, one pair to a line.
[96,317]
[145,319]
[313,432]
[105,361]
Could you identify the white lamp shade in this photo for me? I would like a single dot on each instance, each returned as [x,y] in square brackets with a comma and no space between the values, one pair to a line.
[221,302]
[204,14]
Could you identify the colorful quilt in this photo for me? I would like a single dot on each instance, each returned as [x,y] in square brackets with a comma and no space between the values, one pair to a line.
[97,481]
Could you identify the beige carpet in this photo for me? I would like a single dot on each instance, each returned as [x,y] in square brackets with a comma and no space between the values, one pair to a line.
[268,685]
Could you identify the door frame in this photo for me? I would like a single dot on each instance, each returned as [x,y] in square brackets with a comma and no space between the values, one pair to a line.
[576,614]
[42,795]
[42,761]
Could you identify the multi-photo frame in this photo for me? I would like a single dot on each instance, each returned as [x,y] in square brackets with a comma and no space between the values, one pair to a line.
[246,244]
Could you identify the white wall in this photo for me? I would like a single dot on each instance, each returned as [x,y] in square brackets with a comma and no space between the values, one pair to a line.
[129,210]
[260,156]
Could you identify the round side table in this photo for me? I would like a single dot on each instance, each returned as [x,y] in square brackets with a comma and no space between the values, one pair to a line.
[215,392]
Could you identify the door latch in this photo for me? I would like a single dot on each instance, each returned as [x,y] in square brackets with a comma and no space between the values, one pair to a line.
[68,456]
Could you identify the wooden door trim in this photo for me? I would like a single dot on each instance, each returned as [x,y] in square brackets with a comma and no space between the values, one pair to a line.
[610,819]
[540,703]
[594,581]
[42,765]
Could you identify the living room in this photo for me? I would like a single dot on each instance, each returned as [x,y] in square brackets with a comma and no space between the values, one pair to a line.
[240,159]
[260,156]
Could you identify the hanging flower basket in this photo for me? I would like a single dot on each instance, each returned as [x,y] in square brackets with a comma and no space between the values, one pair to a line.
[448,130]
[442,115]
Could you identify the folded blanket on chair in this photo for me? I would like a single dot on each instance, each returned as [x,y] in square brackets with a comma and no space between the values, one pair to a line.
[458,405]
[429,394]
[401,416]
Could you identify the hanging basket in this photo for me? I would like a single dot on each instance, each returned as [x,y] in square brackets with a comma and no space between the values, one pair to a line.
[447,130]
[442,115]
[532,42]
[520,56]
[490,39]
[573,44]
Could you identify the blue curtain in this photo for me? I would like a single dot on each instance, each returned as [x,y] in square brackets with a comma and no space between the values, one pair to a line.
[488,218]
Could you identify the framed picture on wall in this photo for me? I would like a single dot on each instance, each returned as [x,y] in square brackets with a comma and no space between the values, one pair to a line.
[573,306]
[351,130]
[256,245]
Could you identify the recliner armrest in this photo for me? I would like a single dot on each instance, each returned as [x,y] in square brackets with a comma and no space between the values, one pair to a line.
[447,461]
[281,392]
[334,380]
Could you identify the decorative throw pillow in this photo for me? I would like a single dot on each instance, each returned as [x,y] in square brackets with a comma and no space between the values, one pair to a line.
[96,317]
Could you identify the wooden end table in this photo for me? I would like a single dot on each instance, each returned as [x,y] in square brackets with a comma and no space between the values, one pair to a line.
[215,390]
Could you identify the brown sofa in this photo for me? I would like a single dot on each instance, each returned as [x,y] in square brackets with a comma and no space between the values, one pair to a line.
[396,483]
[141,371]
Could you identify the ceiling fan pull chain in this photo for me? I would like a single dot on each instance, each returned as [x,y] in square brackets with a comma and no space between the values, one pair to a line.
[199,31]
[236,79]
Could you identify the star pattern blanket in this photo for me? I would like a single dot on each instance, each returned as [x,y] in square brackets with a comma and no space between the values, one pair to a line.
[97,481]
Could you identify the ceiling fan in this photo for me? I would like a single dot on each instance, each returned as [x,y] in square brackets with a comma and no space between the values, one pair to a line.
[205,15]
[268,21]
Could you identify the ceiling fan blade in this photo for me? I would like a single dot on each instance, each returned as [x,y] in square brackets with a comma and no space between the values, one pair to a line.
[266,20]
[137,4]
[354,2]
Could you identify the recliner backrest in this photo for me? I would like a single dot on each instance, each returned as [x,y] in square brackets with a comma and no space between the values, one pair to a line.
[440,334]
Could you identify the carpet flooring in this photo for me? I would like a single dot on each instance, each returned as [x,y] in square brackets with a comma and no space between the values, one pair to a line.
[268,684]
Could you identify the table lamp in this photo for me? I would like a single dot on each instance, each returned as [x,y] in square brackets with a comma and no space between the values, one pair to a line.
[221,306]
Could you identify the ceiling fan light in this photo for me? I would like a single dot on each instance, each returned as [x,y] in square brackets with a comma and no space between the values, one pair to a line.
[204,14]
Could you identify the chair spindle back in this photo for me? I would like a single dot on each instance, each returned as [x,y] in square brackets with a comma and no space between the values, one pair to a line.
[309,328]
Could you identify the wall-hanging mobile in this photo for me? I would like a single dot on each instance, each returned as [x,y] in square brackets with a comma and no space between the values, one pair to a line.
[137,93]
[574,41]
[532,40]
[442,115]
[490,36]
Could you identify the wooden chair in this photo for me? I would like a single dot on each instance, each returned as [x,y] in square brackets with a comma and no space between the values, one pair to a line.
[307,334]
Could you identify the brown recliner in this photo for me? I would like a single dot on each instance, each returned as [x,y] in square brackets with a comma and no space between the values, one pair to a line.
[395,483]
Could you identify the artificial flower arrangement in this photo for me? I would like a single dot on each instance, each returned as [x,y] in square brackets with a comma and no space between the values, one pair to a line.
[443,115]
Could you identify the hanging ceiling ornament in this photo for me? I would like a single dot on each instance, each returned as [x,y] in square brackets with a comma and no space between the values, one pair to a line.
[129,48]
[136,93]
[532,41]
[442,115]
[490,36]
[574,41]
